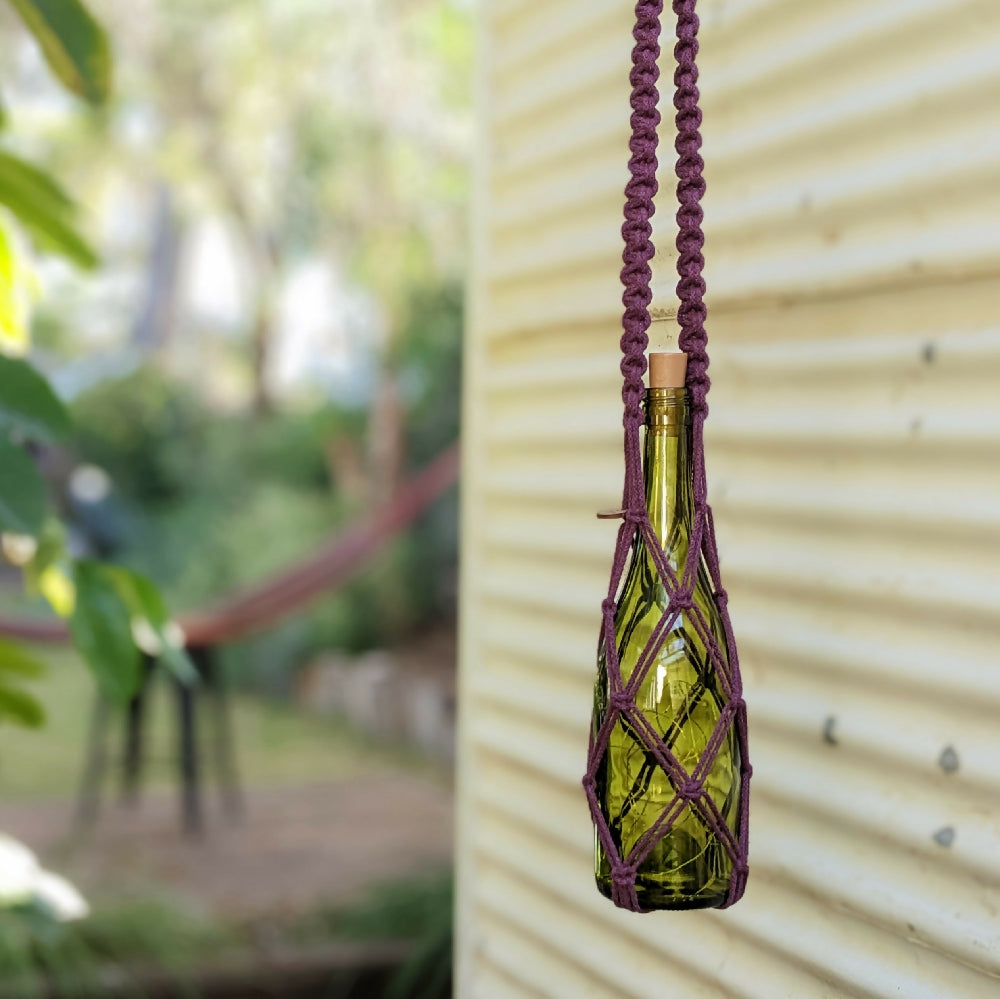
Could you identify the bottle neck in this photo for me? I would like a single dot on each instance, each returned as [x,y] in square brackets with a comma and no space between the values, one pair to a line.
[667,468]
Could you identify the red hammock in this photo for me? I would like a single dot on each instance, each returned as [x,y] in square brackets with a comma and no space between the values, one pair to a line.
[267,603]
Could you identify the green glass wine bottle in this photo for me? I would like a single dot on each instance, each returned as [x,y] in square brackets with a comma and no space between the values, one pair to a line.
[680,696]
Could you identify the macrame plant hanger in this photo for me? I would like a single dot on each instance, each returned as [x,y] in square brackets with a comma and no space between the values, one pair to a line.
[637,276]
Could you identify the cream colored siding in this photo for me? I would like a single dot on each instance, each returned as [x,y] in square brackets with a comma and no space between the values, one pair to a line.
[853,225]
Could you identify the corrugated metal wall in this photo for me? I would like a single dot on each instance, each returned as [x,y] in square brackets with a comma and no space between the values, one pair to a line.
[854,453]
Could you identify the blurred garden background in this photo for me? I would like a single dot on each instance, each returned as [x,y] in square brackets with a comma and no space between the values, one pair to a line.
[232,239]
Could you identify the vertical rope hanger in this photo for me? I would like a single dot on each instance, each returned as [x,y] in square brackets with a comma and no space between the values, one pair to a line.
[636,276]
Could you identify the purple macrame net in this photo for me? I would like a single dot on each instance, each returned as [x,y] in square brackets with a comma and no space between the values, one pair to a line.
[636,277]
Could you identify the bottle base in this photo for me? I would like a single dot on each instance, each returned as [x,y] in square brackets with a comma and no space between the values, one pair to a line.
[654,896]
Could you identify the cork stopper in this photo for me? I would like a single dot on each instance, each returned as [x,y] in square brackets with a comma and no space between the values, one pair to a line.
[667,369]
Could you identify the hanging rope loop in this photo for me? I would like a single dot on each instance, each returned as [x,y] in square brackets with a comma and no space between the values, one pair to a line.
[636,275]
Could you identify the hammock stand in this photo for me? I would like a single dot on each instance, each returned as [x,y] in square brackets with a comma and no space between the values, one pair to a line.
[239,615]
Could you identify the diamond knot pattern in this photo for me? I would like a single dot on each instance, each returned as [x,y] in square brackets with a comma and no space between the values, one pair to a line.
[690,790]
[621,700]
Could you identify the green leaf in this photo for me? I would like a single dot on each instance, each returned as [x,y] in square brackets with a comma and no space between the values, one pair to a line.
[140,594]
[73,43]
[13,311]
[50,548]
[32,183]
[149,610]
[42,205]
[101,627]
[55,583]
[28,405]
[15,658]
[50,572]
[22,491]
[20,707]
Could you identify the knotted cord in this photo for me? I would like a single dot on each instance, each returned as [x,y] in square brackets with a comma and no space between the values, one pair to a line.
[640,193]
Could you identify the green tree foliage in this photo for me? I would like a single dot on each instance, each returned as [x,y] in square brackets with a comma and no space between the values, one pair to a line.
[77,50]
[147,432]
[41,957]
[106,606]
[312,131]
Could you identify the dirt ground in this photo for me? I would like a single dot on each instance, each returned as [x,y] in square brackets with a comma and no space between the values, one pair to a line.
[295,847]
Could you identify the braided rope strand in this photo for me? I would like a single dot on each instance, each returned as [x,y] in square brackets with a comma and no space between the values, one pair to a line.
[691,313]
[637,231]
